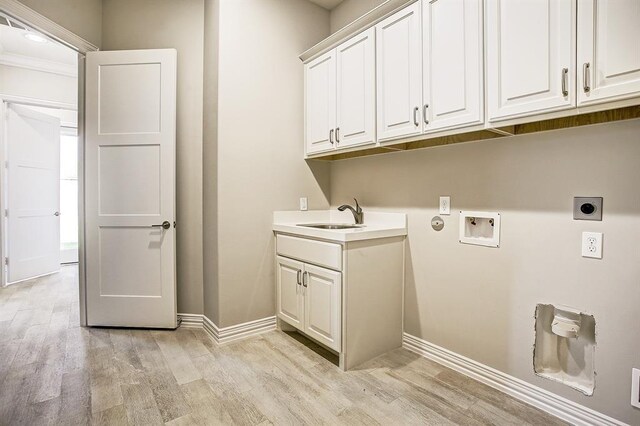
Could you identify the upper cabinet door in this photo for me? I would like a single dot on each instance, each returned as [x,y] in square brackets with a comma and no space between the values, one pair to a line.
[320,100]
[356,91]
[399,74]
[452,54]
[608,52]
[530,57]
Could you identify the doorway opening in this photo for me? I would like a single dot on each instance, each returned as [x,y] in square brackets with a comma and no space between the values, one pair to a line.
[39,93]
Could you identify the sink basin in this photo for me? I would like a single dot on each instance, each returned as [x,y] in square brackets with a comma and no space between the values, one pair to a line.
[330,225]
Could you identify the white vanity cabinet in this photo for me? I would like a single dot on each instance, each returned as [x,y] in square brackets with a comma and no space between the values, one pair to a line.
[340,96]
[452,53]
[345,295]
[530,51]
[608,50]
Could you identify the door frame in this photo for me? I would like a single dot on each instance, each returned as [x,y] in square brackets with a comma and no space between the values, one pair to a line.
[32,19]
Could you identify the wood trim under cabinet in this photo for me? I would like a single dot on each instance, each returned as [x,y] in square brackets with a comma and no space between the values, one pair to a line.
[599,117]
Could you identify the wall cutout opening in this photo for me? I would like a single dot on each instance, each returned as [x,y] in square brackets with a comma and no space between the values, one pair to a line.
[565,346]
[480,228]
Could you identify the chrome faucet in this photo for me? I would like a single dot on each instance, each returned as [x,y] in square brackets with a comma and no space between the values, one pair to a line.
[358,215]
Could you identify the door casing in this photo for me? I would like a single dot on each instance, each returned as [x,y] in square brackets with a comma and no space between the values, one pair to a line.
[34,20]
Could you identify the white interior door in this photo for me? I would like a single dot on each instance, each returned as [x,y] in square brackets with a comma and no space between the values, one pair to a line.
[33,194]
[130,188]
[608,52]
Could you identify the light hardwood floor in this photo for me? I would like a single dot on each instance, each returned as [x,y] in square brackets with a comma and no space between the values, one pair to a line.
[54,372]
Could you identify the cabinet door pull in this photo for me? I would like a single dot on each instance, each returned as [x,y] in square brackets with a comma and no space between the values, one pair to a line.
[565,74]
[415,116]
[331,136]
[424,114]
[305,278]
[298,277]
[337,134]
[585,76]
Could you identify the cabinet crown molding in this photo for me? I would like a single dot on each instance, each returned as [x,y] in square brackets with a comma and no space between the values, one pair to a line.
[367,20]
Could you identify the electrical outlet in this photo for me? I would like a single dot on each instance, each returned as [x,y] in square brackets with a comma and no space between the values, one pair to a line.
[592,244]
[445,205]
[635,387]
[303,204]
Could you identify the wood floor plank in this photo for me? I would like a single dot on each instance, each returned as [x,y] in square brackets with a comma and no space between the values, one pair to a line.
[55,372]
[179,362]
[140,405]
[114,416]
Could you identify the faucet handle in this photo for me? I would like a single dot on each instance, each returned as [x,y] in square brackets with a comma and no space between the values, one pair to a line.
[358,209]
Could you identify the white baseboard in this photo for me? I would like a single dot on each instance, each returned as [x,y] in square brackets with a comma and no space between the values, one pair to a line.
[227,334]
[558,406]
[190,320]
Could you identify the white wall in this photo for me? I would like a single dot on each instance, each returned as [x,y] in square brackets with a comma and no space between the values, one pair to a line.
[148,24]
[480,301]
[260,150]
[40,85]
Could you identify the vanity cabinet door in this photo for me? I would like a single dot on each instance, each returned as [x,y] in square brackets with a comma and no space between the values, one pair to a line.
[608,52]
[289,291]
[452,64]
[530,57]
[323,305]
[399,74]
[320,103]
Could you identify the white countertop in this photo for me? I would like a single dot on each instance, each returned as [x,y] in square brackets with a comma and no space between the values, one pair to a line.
[376,225]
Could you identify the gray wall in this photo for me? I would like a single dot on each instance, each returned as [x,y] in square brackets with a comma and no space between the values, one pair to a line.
[349,10]
[260,149]
[82,17]
[210,160]
[480,302]
[147,24]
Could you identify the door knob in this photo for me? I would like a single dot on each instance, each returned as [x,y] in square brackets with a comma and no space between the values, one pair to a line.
[164,225]
[56,214]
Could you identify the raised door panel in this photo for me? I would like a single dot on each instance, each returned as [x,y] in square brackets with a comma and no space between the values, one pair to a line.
[452,64]
[289,292]
[323,307]
[356,90]
[399,74]
[608,52]
[320,103]
[530,57]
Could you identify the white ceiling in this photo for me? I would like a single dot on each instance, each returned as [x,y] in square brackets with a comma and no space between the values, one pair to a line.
[327,4]
[16,49]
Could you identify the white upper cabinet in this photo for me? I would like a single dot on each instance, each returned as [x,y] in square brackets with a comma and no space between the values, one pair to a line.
[399,74]
[356,114]
[320,103]
[530,57]
[452,64]
[608,50]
